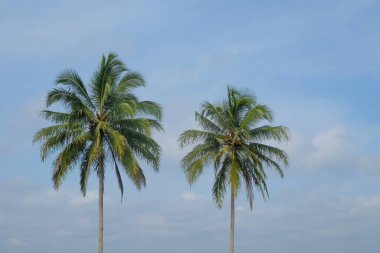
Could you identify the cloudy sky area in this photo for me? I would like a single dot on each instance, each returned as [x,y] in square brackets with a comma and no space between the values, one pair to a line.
[315,63]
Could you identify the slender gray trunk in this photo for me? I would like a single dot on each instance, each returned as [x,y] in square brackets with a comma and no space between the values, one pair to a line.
[232,227]
[101,192]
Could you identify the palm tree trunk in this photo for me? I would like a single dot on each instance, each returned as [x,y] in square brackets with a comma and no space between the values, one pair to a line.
[232,226]
[101,192]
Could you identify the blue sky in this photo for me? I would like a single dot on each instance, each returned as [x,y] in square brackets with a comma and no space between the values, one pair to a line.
[315,63]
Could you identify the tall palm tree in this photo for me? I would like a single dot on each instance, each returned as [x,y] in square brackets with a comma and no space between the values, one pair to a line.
[102,123]
[232,142]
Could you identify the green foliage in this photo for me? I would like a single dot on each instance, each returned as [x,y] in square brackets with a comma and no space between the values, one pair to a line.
[102,122]
[231,140]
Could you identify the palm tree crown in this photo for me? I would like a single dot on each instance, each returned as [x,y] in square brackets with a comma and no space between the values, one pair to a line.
[105,123]
[232,142]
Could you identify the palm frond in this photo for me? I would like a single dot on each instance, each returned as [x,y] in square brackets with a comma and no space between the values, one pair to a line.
[72,79]
[68,158]
[208,124]
[221,180]
[150,108]
[105,79]
[129,81]
[64,118]
[256,114]
[269,133]
[272,152]
[133,169]
[145,147]
[195,136]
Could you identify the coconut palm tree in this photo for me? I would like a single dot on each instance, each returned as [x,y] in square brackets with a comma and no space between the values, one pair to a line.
[233,142]
[100,124]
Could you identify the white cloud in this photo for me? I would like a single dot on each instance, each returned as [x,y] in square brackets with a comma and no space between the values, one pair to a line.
[330,148]
[31,109]
[179,221]
[65,232]
[150,220]
[17,242]
[370,164]
[368,206]
[331,232]
[80,200]
[152,225]
[43,29]
[190,196]
[334,149]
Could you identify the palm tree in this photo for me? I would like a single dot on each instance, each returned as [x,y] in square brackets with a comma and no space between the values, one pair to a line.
[102,123]
[232,142]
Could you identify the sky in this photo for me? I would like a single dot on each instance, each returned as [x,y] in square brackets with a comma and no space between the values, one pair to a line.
[316,64]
